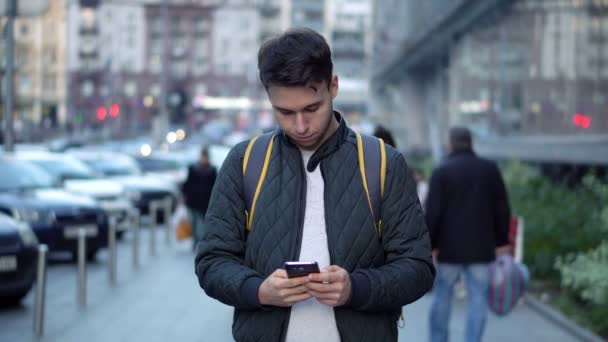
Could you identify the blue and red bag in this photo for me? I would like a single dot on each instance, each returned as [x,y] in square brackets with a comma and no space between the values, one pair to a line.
[508,283]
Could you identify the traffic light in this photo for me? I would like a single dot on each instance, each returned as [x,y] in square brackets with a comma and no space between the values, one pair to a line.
[114,110]
[581,120]
[102,113]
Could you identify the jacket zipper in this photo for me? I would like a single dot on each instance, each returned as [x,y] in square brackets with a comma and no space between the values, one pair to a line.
[297,245]
[329,240]
[301,212]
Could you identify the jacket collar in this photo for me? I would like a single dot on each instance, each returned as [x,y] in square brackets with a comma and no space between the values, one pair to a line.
[468,152]
[330,146]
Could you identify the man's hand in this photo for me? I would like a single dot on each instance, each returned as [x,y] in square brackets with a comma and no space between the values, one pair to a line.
[331,287]
[278,290]
[506,249]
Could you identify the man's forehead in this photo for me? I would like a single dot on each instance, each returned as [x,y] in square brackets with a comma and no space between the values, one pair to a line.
[295,97]
[312,86]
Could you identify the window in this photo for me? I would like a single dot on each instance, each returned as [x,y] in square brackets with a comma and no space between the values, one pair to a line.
[24,29]
[155,63]
[49,83]
[24,85]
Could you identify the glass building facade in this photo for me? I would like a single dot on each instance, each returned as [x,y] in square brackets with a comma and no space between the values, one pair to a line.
[528,77]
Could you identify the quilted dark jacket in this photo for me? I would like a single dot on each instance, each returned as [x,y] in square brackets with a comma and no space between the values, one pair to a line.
[386,273]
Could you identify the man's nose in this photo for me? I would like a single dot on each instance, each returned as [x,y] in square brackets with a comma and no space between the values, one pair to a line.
[301,124]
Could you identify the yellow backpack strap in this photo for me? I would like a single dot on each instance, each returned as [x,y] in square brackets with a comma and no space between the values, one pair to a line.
[372,165]
[255,166]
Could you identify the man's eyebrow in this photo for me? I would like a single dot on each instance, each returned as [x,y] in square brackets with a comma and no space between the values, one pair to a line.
[314,104]
[282,109]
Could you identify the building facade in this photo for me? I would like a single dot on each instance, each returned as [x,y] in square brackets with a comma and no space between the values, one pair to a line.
[527,76]
[40,71]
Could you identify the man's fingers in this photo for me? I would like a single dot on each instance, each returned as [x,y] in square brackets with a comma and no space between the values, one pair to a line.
[293,282]
[284,293]
[328,277]
[324,295]
[332,268]
[280,273]
[324,287]
[296,298]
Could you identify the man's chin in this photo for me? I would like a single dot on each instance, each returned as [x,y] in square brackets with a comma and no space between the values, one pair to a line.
[307,145]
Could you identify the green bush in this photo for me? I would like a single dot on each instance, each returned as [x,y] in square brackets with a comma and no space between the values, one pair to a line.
[566,239]
[558,220]
[587,274]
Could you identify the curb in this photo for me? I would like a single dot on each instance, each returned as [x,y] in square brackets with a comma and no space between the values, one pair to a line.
[559,319]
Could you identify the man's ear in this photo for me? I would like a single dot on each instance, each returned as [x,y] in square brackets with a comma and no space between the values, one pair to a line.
[333,86]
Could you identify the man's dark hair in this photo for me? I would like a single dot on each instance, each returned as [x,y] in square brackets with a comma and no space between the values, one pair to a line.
[296,58]
[204,152]
[460,138]
[384,134]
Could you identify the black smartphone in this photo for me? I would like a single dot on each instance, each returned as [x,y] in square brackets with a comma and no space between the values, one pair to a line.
[297,269]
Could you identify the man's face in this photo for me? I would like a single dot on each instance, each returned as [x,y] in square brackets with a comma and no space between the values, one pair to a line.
[305,113]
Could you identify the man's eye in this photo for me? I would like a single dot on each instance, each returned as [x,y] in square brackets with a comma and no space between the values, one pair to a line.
[312,109]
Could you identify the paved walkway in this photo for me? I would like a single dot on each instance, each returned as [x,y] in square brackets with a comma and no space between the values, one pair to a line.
[161,301]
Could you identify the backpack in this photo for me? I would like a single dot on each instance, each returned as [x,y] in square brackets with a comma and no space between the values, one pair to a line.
[372,166]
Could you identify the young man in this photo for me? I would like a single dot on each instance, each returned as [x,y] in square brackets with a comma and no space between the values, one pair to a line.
[313,207]
[467,213]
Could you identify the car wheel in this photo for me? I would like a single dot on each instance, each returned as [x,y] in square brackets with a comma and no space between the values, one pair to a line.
[92,254]
[14,299]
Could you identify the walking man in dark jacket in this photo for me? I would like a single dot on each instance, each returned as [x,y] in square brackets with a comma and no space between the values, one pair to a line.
[467,214]
[313,207]
[197,192]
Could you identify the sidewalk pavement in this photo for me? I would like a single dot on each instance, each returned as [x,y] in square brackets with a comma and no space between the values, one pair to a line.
[163,302]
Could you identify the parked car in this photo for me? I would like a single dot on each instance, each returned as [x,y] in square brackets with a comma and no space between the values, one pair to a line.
[18,248]
[173,166]
[79,178]
[29,194]
[124,170]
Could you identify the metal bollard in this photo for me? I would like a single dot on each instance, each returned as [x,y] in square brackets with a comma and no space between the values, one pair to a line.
[135,224]
[153,223]
[112,250]
[82,267]
[40,290]
[168,204]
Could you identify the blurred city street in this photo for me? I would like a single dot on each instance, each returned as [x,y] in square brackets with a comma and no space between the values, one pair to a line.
[161,301]
[116,110]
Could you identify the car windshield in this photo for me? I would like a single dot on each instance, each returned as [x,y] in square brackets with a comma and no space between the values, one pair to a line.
[21,175]
[66,168]
[151,164]
[115,166]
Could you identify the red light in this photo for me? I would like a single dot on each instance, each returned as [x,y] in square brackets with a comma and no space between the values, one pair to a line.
[581,120]
[114,110]
[102,113]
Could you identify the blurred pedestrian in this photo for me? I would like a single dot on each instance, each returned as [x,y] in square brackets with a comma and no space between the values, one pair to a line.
[422,187]
[384,134]
[467,213]
[312,207]
[197,192]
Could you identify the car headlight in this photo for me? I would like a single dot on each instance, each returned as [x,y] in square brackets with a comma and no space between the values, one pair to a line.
[133,195]
[33,215]
[27,234]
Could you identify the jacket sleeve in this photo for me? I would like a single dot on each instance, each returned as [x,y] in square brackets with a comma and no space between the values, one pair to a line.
[219,260]
[502,211]
[408,272]
[433,208]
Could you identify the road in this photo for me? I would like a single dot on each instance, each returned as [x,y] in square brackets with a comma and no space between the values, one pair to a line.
[161,301]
